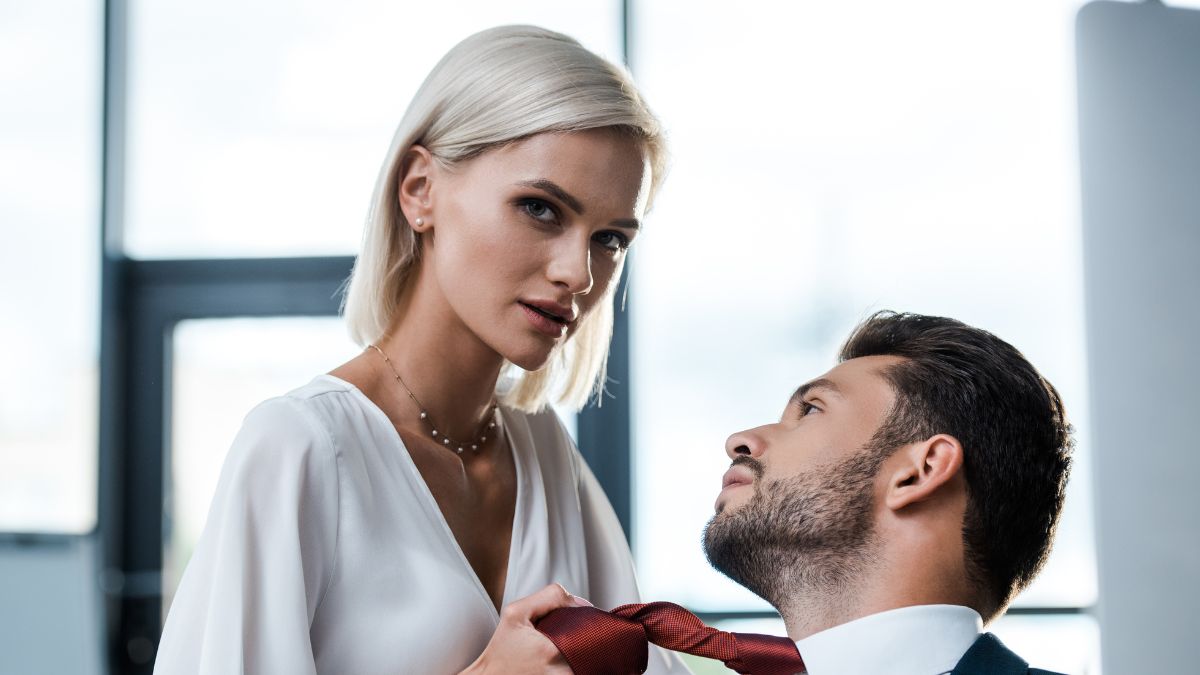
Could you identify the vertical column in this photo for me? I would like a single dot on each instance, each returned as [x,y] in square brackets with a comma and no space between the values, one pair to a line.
[1139,114]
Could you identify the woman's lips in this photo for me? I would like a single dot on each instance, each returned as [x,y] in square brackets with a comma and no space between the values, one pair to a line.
[543,323]
[557,312]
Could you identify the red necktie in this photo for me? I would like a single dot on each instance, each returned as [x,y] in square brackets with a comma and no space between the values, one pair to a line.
[595,642]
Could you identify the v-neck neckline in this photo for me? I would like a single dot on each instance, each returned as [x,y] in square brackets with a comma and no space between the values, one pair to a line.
[516,536]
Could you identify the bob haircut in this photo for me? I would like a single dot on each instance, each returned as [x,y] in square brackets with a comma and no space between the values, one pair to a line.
[494,88]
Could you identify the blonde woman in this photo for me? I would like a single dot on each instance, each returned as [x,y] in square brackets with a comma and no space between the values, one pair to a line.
[378,519]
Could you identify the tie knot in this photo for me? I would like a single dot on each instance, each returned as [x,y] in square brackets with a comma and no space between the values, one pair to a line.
[595,642]
[671,626]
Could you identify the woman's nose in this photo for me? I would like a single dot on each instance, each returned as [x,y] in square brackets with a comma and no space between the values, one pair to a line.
[571,267]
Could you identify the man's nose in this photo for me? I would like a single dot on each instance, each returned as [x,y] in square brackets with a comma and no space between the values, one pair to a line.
[748,443]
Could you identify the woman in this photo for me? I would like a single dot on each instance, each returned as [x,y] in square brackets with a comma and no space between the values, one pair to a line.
[377,519]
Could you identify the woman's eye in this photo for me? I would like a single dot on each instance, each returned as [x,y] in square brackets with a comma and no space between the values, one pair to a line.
[613,241]
[806,408]
[538,210]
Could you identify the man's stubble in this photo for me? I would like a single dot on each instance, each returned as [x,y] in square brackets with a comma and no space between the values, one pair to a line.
[800,536]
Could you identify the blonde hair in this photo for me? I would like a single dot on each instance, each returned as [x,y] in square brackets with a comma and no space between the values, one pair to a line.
[496,87]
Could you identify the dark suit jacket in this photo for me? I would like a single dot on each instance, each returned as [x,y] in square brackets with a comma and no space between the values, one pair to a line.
[989,656]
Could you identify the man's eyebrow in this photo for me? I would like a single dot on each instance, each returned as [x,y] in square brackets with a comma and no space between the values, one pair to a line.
[572,203]
[821,383]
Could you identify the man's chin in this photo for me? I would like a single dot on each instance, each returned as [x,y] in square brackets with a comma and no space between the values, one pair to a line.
[729,501]
[732,549]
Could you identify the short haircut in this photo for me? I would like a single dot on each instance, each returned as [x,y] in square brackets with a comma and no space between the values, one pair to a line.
[494,88]
[1017,444]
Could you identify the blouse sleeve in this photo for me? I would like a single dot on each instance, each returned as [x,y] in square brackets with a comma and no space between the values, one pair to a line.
[611,578]
[265,558]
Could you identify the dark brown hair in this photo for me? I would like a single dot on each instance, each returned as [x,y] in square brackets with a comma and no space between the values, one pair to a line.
[970,384]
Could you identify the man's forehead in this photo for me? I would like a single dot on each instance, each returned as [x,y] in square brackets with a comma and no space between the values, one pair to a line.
[854,378]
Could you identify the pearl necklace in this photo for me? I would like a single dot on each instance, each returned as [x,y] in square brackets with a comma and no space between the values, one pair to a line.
[447,442]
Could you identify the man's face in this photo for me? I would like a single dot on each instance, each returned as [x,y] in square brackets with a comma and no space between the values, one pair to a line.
[797,504]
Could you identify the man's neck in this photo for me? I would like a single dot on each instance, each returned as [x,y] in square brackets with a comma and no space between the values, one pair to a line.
[809,608]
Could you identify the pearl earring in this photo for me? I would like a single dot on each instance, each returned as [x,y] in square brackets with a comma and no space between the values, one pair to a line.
[419,222]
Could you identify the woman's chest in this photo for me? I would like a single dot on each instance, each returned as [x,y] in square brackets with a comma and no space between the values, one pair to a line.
[475,494]
[404,595]
[405,599]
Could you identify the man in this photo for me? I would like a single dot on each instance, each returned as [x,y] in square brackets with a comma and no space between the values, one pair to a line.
[901,501]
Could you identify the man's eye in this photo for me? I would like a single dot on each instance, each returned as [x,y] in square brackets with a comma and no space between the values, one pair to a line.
[807,408]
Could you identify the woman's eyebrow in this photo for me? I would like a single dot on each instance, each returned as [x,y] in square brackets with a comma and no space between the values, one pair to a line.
[556,190]
[550,187]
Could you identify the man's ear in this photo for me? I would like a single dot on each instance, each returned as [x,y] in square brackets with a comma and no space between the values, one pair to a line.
[416,188]
[920,470]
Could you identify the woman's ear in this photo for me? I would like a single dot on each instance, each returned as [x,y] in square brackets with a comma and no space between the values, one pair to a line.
[921,470]
[416,188]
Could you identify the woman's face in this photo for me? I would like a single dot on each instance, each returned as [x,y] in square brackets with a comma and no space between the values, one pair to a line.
[523,241]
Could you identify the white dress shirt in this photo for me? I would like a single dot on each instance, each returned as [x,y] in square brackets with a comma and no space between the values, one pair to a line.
[325,552]
[920,640]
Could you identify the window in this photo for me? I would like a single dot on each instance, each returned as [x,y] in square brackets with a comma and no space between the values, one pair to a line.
[831,160]
[269,144]
[49,268]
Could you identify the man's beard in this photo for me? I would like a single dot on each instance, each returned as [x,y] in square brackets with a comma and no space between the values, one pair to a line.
[806,534]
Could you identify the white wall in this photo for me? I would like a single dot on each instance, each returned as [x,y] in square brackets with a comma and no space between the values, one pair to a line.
[1139,94]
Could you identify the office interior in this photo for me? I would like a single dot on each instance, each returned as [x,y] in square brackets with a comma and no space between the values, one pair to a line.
[185,189]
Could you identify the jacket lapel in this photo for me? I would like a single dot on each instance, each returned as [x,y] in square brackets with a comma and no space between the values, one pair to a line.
[989,656]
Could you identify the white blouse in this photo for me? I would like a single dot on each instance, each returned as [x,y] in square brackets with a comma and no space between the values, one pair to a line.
[325,552]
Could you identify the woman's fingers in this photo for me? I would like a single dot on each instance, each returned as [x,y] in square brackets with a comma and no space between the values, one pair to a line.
[517,648]
[534,607]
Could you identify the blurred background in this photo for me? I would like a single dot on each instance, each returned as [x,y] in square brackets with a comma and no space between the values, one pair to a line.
[182,187]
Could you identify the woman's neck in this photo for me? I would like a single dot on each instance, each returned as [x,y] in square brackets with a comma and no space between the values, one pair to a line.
[446,366]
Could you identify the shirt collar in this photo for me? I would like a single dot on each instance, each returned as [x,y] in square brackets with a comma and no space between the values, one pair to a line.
[920,640]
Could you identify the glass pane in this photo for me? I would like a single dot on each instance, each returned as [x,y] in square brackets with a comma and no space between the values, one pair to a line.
[49,264]
[1060,643]
[918,158]
[569,419]
[221,369]
[269,144]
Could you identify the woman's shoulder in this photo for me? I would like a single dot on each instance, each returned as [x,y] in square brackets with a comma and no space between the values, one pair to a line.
[298,423]
[296,412]
[321,391]
[319,408]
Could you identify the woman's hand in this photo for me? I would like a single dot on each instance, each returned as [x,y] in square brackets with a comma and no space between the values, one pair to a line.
[517,647]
